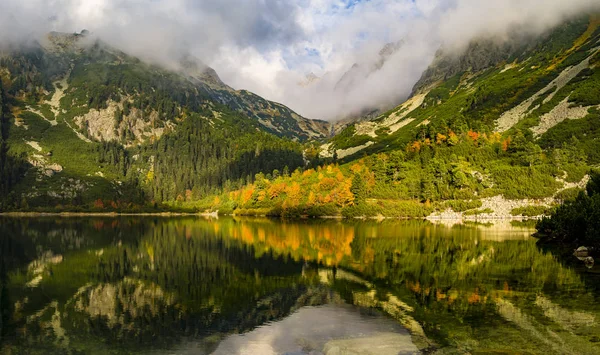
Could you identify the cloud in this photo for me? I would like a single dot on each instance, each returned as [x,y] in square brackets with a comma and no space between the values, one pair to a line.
[268,46]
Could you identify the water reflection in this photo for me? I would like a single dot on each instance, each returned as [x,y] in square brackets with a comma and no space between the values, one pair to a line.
[125,285]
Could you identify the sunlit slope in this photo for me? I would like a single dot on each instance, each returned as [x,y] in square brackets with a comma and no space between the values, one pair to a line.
[547,87]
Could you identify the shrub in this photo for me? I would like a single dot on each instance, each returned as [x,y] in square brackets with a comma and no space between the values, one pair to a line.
[406,209]
[363,210]
[530,211]
[461,205]
[478,212]
[568,194]
[576,221]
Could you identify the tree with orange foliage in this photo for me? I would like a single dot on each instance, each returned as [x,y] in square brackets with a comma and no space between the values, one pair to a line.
[308,173]
[342,195]
[247,194]
[327,184]
[506,144]
[261,195]
[356,168]
[311,199]
[99,204]
[473,135]
[276,189]
[440,138]
[294,195]
[415,147]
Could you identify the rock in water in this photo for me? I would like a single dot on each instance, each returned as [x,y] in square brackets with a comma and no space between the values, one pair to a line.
[581,253]
[589,262]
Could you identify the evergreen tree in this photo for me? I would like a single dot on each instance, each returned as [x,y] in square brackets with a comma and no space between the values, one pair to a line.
[359,189]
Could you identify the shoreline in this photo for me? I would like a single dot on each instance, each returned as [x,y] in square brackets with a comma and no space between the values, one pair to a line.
[433,218]
[104,214]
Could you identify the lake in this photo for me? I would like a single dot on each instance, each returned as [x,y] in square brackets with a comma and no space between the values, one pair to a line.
[191,285]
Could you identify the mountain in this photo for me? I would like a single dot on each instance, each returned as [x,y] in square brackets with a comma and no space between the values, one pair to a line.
[498,129]
[273,117]
[360,71]
[82,121]
[309,80]
[528,85]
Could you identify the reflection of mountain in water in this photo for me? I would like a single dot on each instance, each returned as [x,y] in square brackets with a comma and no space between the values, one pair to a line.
[131,285]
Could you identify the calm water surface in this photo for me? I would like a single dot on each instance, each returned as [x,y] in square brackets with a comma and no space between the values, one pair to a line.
[259,286]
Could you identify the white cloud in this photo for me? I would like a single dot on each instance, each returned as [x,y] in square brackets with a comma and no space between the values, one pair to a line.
[267,46]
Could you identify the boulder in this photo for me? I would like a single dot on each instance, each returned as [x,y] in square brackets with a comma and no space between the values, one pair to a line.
[582,252]
[589,262]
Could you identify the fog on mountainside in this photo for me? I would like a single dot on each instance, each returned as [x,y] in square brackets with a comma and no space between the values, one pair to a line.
[268,47]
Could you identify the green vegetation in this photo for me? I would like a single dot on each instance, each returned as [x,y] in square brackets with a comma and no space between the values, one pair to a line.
[11,166]
[568,194]
[461,206]
[478,212]
[530,211]
[348,139]
[576,222]
[581,136]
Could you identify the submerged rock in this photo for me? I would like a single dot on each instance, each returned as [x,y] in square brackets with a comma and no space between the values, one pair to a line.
[380,344]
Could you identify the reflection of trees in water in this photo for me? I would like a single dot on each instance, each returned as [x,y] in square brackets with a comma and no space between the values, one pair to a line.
[5,306]
[169,282]
[457,281]
[174,279]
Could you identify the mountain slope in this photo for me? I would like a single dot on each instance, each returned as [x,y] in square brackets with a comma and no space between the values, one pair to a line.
[84,124]
[273,117]
[494,88]
[95,77]
[487,133]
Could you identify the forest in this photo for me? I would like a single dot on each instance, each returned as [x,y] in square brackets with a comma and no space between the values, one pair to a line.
[576,222]
[11,167]
[457,171]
